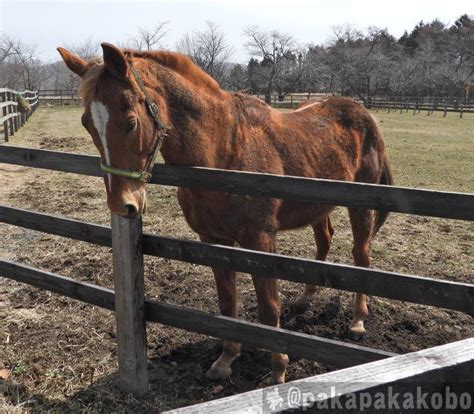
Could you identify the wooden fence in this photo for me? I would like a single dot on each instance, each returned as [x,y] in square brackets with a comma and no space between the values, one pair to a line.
[390,103]
[427,373]
[129,244]
[11,120]
[418,105]
[292,100]
[59,97]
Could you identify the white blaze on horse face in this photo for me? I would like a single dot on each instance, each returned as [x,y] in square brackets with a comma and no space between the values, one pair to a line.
[100,117]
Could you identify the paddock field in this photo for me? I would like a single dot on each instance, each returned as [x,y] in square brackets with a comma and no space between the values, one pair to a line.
[60,354]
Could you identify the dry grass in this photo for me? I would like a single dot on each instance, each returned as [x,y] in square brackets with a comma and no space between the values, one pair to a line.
[62,353]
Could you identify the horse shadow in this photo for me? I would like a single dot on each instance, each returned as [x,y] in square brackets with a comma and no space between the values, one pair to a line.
[176,378]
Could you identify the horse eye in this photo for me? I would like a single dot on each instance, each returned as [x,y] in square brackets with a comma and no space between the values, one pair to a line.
[131,124]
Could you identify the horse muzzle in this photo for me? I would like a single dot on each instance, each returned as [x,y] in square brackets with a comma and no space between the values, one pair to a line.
[129,204]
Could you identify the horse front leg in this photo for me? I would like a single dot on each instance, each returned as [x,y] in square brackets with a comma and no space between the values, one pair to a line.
[268,300]
[227,295]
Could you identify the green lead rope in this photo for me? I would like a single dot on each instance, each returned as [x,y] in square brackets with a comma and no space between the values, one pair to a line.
[143,176]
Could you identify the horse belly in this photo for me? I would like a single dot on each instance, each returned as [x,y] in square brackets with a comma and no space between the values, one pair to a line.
[224,216]
[295,215]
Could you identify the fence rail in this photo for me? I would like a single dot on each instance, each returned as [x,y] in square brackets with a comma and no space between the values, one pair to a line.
[419,105]
[11,120]
[391,285]
[392,103]
[129,244]
[291,100]
[59,96]
[349,194]
[335,353]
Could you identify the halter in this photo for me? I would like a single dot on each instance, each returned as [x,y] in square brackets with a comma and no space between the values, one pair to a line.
[145,175]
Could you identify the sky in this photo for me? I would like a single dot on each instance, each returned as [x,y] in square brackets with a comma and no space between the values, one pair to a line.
[49,24]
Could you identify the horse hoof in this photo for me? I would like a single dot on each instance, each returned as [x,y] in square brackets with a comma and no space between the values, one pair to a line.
[357,327]
[279,380]
[218,373]
[294,310]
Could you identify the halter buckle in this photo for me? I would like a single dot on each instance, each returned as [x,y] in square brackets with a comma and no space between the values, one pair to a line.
[146,177]
[153,108]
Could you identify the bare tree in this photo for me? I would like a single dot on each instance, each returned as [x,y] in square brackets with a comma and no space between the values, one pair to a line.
[20,68]
[149,38]
[361,62]
[6,55]
[208,49]
[6,47]
[291,75]
[275,51]
[317,77]
[405,75]
[88,49]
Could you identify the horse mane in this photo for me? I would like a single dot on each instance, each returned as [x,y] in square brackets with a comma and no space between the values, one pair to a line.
[174,61]
[181,64]
[90,80]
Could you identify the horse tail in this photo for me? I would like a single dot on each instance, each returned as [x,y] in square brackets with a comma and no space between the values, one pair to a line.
[386,178]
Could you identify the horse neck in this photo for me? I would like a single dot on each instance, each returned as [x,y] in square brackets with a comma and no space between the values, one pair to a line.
[203,126]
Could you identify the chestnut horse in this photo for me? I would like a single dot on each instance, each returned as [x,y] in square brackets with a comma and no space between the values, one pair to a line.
[334,139]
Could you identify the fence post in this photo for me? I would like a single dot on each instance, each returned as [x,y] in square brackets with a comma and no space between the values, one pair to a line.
[37,96]
[16,123]
[10,111]
[127,249]
[4,113]
[28,114]
[22,116]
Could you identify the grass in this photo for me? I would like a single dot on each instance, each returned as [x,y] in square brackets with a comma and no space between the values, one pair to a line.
[62,353]
[430,152]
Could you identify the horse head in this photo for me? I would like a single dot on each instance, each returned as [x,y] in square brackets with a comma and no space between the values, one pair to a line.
[126,119]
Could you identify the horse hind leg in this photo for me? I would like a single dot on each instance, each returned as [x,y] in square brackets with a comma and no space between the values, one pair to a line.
[323,233]
[362,222]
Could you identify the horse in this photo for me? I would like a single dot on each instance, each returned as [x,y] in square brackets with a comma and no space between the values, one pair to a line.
[137,103]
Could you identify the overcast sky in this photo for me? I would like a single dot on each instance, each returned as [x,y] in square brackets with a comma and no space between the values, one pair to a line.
[49,24]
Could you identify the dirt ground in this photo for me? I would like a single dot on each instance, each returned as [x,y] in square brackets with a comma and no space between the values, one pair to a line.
[60,354]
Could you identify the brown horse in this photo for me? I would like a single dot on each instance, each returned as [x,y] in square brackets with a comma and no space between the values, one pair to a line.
[334,139]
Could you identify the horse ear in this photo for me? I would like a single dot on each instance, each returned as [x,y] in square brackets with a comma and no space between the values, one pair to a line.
[114,60]
[73,62]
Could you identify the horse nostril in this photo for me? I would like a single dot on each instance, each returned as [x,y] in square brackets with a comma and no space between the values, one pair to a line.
[131,210]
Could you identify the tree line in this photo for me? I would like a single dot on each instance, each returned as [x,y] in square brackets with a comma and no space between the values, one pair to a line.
[432,59]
